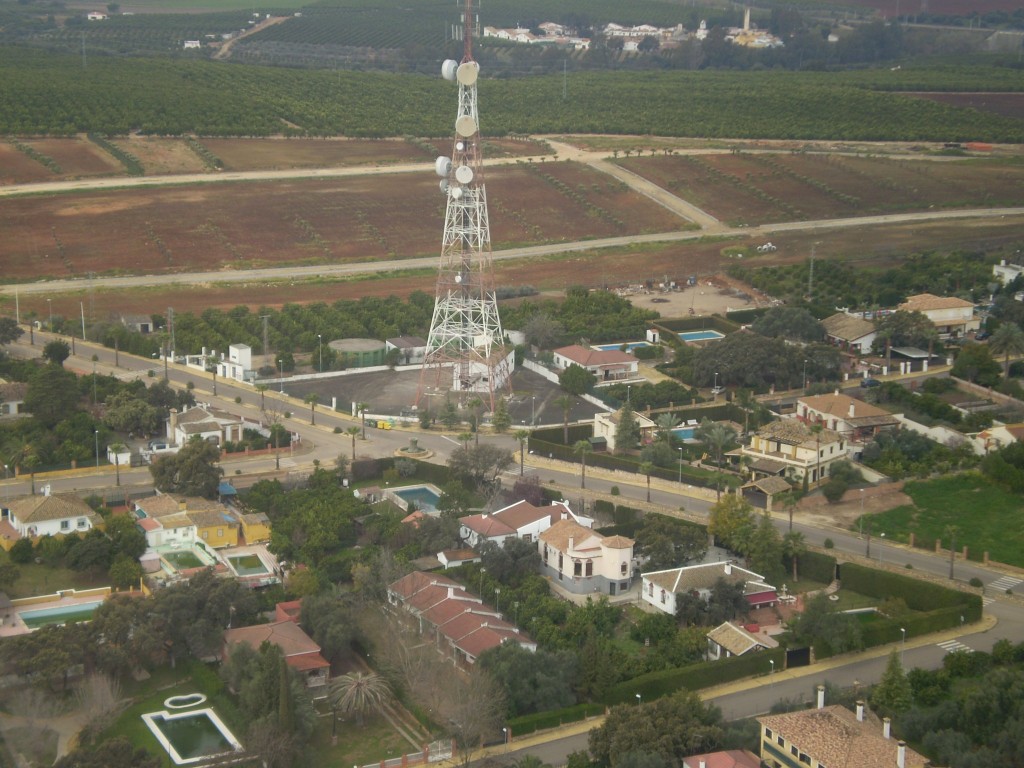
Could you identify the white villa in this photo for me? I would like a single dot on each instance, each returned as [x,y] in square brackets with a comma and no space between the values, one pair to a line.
[583,561]
[36,516]
[660,588]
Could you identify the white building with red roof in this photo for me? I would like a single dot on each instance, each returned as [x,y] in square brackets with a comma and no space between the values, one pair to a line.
[606,364]
[952,317]
[521,520]
[300,652]
[459,623]
[660,588]
[583,561]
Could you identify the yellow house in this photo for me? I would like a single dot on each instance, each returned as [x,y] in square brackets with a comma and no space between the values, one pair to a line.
[255,527]
[215,528]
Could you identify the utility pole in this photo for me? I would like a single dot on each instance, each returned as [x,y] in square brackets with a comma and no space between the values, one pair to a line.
[266,336]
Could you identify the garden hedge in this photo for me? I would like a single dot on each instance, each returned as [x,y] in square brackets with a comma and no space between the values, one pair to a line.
[526,724]
[919,595]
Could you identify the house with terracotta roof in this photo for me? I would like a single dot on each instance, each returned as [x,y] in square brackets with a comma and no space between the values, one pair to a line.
[850,332]
[953,318]
[583,561]
[850,418]
[300,652]
[659,588]
[12,397]
[255,526]
[727,758]
[214,527]
[730,639]
[460,625]
[521,520]
[36,516]
[833,737]
[790,449]
[605,364]
[214,425]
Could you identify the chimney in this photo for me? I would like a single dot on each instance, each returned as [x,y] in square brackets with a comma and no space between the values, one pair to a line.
[886,727]
[860,711]
[821,696]
[572,540]
[703,763]
[728,569]
[853,409]
[901,754]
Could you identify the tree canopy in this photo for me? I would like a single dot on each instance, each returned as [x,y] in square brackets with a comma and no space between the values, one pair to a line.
[192,471]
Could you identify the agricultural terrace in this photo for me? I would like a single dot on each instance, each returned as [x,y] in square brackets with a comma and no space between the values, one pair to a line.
[52,94]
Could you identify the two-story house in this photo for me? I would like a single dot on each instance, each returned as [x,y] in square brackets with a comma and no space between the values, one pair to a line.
[850,418]
[583,561]
[953,318]
[790,449]
[606,425]
[605,364]
[521,520]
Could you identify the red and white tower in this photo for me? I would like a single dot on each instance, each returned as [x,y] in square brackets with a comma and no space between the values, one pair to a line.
[465,348]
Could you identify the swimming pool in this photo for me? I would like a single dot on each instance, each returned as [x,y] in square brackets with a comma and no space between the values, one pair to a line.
[247,565]
[424,497]
[683,433]
[701,335]
[65,614]
[629,345]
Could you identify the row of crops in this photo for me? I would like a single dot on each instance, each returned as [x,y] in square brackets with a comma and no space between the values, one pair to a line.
[52,94]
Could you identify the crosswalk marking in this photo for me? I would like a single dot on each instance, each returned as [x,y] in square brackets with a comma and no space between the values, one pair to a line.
[1004,583]
[987,601]
[955,645]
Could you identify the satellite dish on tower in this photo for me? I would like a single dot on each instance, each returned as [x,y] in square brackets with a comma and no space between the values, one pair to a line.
[463,174]
[443,166]
[467,73]
[444,186]
[448,69]
[465,126]
[456,192]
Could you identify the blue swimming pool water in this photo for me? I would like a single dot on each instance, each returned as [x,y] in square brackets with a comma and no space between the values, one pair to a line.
[631,345]
[683,433]
[423,496]
[701,335]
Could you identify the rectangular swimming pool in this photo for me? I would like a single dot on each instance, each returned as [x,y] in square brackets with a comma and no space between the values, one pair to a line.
[683,433]
[64,614]
[191,737]
[701,335]
[424,497]
[629,345]
[248,565]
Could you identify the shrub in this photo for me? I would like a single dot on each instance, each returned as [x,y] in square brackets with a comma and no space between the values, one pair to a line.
[834,490]
[615,491]
[829,544]
[976,582]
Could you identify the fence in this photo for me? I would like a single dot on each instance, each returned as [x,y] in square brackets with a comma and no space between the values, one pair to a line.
[434,752]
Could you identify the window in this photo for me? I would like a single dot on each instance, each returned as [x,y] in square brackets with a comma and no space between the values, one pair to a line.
[220,532]
[767,733]
[794,751]
[65,525]
[588,568]
[805,758]
[82,522]
[663,597]
[206,534]
[577,568]
[528,537]
[781,741]
[624,569]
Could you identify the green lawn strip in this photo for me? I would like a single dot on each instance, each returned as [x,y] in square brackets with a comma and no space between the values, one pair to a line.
[988,518]
[358,745]
[41,579]
[149,696]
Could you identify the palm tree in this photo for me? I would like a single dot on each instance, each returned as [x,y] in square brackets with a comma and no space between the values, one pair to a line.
[262,388]
[522,435]
[312,398]
[353,432]
[666,423]
[581,448]
[475,404]
[716,436]
[565,403]
[465,437]
[360,693]
[361,410]
[794,545]
[1007,340]
[646,467]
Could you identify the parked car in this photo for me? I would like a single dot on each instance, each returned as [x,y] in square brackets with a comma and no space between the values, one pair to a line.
[868,383]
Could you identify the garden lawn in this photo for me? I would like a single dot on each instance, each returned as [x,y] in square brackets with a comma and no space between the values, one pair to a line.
[42,579]
[988,518]
[370,743]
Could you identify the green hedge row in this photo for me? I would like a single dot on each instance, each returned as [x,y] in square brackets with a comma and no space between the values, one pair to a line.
[813,565]
[694,677]
[888,631]
[521,726]
[713,323]
[919,595]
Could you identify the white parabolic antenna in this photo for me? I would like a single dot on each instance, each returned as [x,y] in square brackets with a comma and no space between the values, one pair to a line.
[448,69]
[467,73]
[456,192]
[443,166]
[443,185]
[463,174]
[465,126]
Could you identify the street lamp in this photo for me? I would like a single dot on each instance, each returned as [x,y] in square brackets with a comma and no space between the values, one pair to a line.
[505,732]
[49,303]
[882,537]
[497,599]
[861,521]
[639,701]
[680,465]
[805,374]
[628,388]
[280,374]
[533,412]
[771,678]
[714,389]
[320,348]
[482,572]
[96,435]
[903,644]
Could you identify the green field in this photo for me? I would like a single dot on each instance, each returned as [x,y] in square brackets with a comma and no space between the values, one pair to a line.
[989,519]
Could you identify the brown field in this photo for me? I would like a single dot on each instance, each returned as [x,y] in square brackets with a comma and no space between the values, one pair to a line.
[77,157]
[300,221]
[1005,104]
[275,154]
[160,156]
[755,189]
[18,168]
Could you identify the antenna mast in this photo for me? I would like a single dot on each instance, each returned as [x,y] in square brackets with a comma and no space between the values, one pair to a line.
[465,346]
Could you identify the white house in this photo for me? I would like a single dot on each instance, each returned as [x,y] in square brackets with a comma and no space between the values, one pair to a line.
[12,397]
[411,349]
[849,417]
[35,516]
[1006,272]
[850,332]
[659,588]
[521,520]
[606,364]
[952,317]
[177,530]
[238,365]
[730,639]
[583,561]
[606,425]
[211,424]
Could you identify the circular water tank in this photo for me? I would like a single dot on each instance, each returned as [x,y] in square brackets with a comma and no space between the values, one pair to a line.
[465,126]
[448,69]
[463,174]
[443,166]
[467,73]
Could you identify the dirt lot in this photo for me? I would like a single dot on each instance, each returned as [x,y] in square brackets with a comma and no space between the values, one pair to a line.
[815,510]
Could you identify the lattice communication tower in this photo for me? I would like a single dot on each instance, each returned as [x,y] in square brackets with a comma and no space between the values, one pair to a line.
[465,347]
